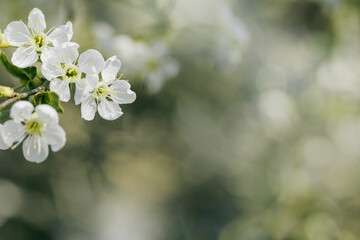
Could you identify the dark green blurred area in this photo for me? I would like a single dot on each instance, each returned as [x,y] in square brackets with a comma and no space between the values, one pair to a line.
[261,147]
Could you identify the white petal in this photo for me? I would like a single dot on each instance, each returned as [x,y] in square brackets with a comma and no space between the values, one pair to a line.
[67,53]
[121,92]
[24,57]
[112,67]
[62,34]
[51,68]
[91,81]
[47,114]
[78,95]
[47,52]
[91,61]
[85,84]
[88,107]
[3,145]
[35,149]
[55,137]
[61,87]
[12,132]
[17,34]
[109,110]
[36,20]
[79,90]
[21,110]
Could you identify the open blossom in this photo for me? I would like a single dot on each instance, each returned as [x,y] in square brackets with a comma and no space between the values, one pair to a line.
[154,60]
[37,129]
[31,39]
[160,67]
[107,94]
[134,54]
[64,67]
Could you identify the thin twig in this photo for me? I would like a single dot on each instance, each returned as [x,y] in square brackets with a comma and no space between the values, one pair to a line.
[18,96]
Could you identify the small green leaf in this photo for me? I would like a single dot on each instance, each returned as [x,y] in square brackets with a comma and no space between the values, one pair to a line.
[50,98]
[31,71]
[4,115]
[24,74]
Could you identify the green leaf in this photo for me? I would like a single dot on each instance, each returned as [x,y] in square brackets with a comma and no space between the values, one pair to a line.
[24,74]
[50,98]
[4,115]
[31,71]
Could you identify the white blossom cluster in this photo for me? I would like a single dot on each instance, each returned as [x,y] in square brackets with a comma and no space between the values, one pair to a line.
[156,62]
[152,60]
[97,85]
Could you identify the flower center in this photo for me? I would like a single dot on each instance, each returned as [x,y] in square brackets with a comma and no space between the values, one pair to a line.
[39,40]
[71,72]
[101,91]
[34,127]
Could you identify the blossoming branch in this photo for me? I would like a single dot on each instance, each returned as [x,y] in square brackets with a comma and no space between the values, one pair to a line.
[33,117]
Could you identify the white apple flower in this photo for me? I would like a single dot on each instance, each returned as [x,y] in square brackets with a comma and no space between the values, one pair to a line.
[64,67]
[31,39]
[107,94]
[37,129]
[160,67]
[153,60]
[134,54]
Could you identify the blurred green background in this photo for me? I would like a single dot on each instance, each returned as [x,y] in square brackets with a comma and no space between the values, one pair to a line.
[251,133]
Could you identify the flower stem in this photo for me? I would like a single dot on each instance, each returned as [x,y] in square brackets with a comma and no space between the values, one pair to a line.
[21,86]
[36,81]
[18,96]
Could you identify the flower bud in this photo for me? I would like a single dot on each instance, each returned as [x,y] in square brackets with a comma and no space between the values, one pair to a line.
[6,92]
[3,42]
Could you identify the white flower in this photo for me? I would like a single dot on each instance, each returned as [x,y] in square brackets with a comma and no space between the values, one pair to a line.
[160,67]
[38,129]
[134,54]
[108,93]
[31,39]
[154,61]
[63,67]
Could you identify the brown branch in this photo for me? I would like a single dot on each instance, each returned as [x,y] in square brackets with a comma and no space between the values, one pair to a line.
[19,96]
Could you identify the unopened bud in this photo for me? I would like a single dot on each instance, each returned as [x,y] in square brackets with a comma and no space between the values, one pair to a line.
[6,92]
[3,42]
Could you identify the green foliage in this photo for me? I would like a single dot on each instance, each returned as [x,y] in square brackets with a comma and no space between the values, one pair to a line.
[24,74]
[4,115]
[50,98]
